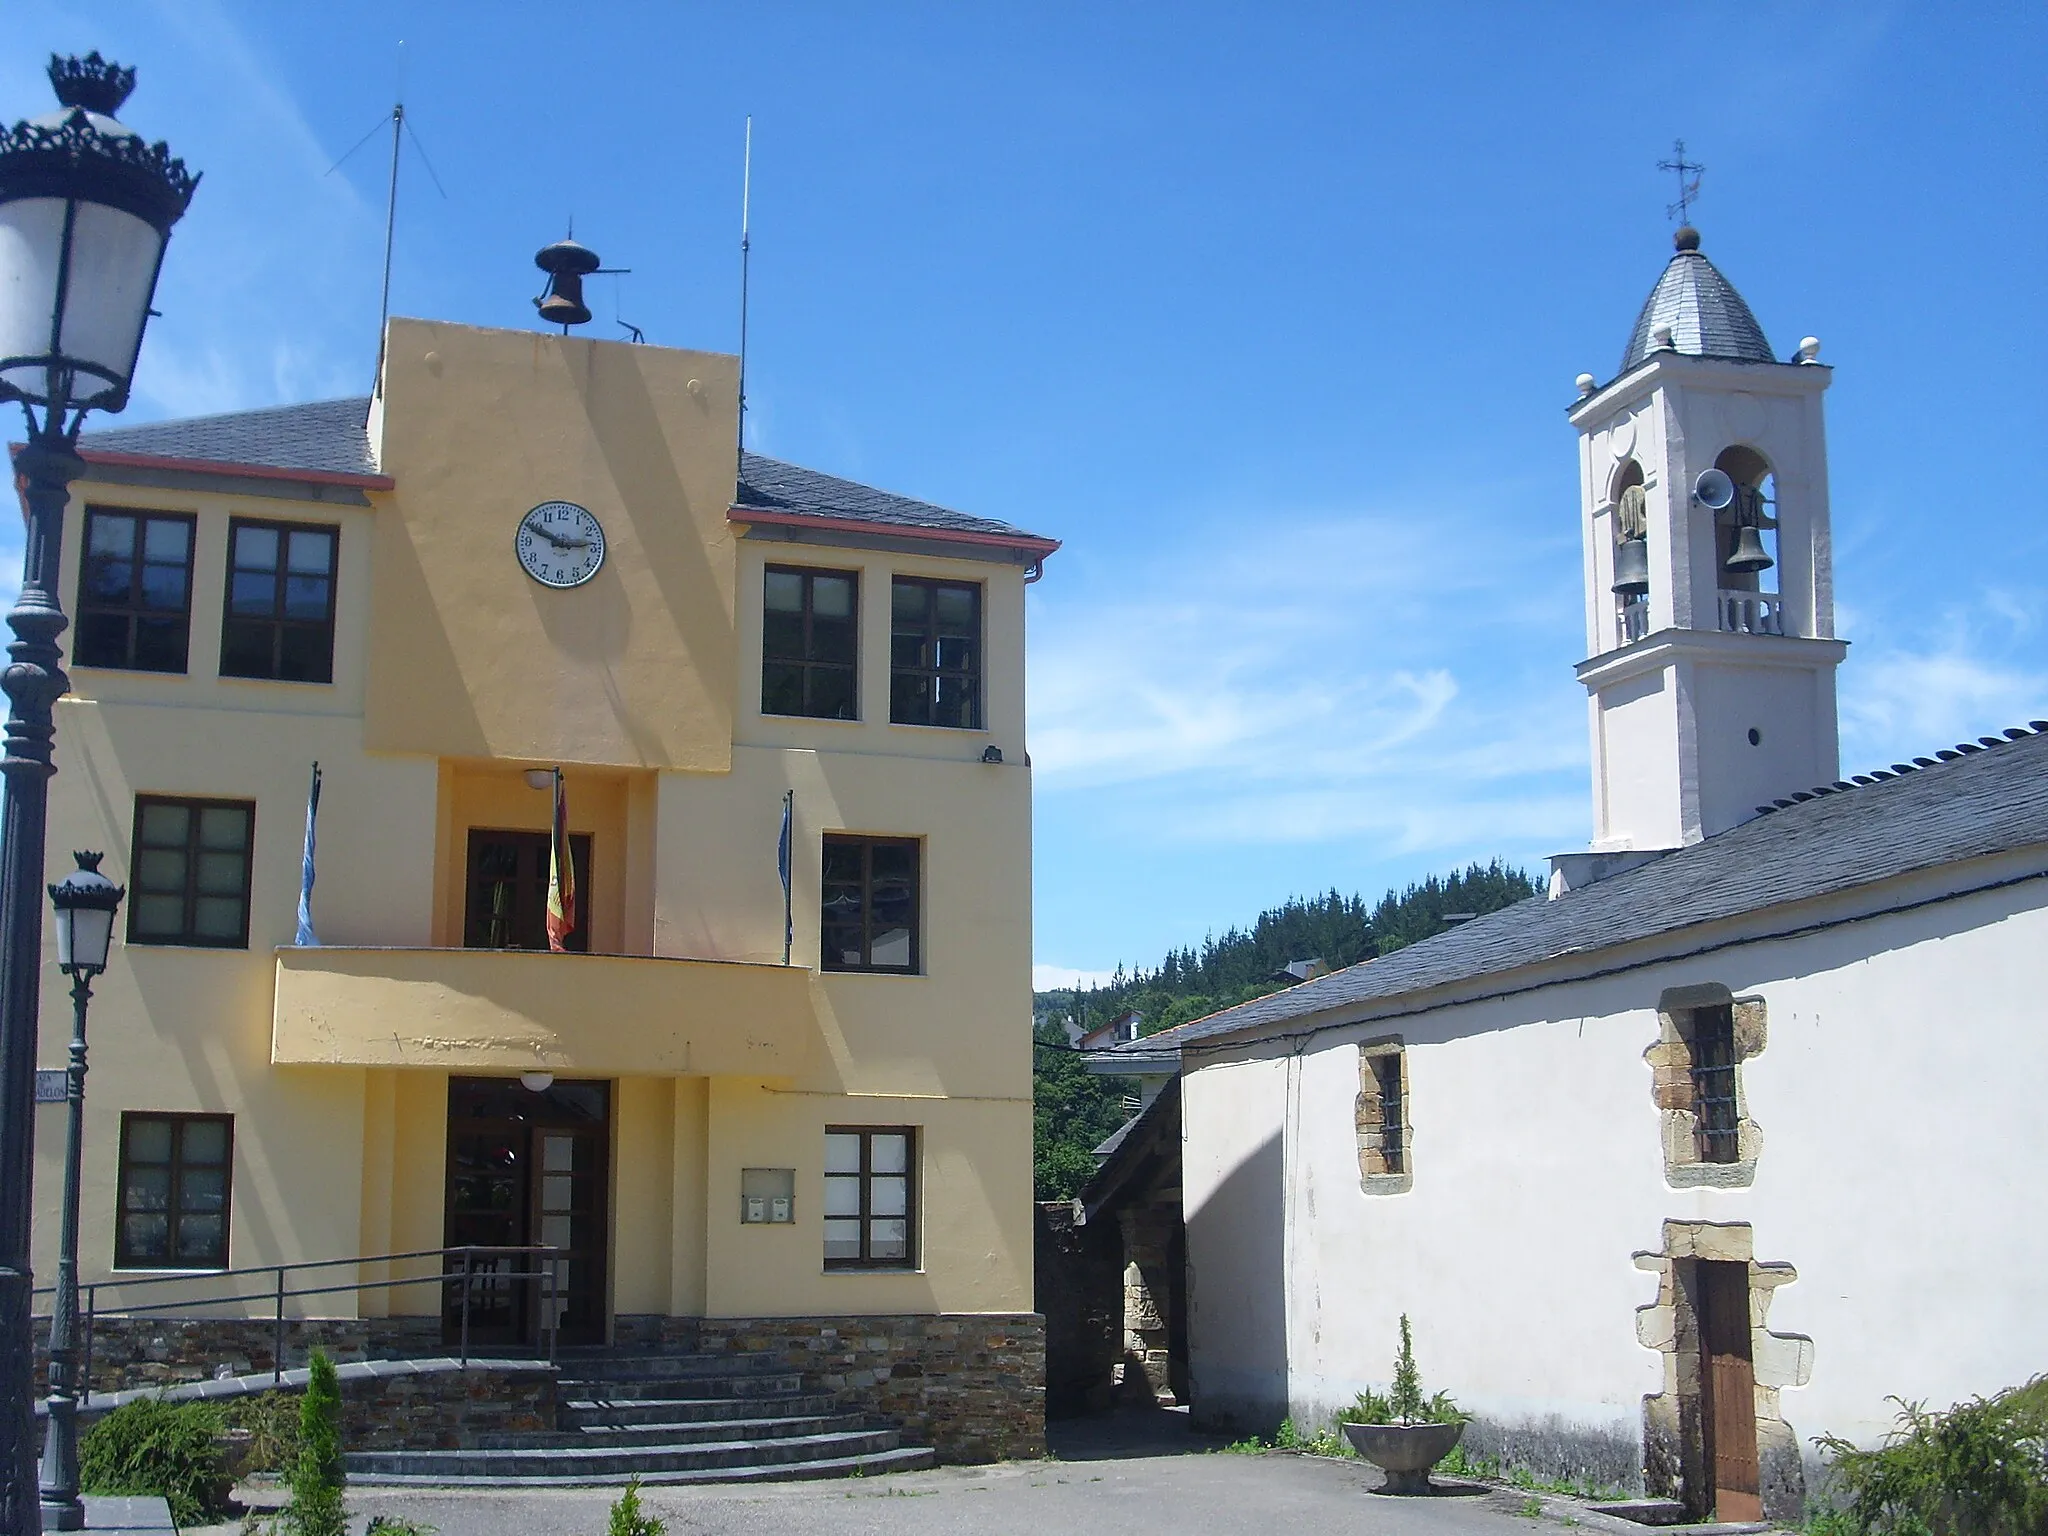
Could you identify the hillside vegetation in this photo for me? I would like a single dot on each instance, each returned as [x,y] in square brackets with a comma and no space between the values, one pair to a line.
[1074,1110]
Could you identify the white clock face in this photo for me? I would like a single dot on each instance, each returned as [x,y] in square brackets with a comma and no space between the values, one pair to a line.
[560,544]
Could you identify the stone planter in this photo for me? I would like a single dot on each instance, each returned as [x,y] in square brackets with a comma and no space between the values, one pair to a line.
[1405,1452]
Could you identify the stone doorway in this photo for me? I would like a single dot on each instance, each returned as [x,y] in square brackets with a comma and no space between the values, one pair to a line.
[1715,1438]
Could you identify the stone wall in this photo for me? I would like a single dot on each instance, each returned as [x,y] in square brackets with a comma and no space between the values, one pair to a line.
[969,1385]
[1080,1293]
[129,1352]
[445,1409]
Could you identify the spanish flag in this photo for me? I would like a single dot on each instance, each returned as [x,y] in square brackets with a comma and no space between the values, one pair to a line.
[561,874]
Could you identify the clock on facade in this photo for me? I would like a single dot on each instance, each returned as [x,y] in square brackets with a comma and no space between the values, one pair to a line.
[560,544]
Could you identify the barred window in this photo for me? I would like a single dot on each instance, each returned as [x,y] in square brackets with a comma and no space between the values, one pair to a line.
[870,1197]
[1717,1122]
[1382,1116]
[175,1176]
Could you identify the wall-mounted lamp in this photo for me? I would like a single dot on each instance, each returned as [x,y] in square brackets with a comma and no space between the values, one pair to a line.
[540,778]
[991,754]
[536,1082]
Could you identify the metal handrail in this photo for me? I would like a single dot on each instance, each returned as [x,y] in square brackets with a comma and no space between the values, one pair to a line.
[546,1256]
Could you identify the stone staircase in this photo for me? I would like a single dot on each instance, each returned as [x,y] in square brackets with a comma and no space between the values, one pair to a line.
[665,1419]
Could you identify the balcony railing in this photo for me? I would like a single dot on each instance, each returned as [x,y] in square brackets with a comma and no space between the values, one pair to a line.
[1752,613]
[1634,621]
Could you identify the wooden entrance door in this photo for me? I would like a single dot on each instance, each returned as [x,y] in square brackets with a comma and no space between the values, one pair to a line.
[527,1168]
[1728,1391]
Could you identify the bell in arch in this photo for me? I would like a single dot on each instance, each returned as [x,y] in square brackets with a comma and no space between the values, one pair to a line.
[566,264]
[1749,556]
[1632,567]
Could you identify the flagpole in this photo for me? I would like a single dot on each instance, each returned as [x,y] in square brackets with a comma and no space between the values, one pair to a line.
[788,871]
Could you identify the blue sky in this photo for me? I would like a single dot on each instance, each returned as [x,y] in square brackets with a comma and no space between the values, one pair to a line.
[1271,312]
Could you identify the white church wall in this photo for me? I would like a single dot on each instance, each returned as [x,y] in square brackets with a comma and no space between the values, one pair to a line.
[1795,745]
[1898,1099]
[1637,763]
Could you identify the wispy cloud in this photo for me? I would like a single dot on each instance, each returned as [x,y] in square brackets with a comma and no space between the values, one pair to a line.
[1969,669]
[1351,675]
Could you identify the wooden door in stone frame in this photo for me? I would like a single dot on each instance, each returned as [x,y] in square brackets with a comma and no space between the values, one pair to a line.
[1728,1391]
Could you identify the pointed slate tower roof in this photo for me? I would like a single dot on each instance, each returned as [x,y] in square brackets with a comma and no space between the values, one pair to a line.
[1706,315]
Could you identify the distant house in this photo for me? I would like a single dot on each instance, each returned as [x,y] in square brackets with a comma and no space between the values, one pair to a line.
[1121,1030]
[1718,1145]
[1300,970]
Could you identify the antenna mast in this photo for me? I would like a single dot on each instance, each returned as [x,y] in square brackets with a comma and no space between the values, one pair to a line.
[746,200]
[390,232]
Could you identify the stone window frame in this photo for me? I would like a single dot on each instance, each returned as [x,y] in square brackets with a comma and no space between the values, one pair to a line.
[1673,1087]
[1375,1177]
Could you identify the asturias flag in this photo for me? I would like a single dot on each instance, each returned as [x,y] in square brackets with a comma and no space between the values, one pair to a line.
[561,874]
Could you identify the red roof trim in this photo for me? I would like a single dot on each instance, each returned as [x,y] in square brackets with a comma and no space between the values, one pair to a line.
[1029,543]
[222,467]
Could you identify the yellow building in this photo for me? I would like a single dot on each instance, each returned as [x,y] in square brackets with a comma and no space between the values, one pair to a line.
[527,554]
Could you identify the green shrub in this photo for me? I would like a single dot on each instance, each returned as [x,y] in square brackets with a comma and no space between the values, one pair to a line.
[1406,1396]
[628,1519]
[396,1525]
[316,1477]
[272,1422]
[1980,1469]
[1404,1404]
[152,1446]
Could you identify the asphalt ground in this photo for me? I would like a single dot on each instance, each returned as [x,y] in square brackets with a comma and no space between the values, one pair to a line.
[1130,1475]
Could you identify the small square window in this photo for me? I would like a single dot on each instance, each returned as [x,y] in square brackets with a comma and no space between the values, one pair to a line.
[134,591]
[176,1173]
[279,621]
[870,1197]
[869,912]
[190,870]
[935,653]
[810,643]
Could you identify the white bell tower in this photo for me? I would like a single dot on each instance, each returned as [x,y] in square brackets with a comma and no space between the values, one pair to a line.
[1709,588]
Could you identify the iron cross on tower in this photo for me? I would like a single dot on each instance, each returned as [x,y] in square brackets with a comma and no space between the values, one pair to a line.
[1687,189]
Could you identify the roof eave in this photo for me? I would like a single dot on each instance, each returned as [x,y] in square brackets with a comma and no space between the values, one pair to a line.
[1026,543]
[176,464]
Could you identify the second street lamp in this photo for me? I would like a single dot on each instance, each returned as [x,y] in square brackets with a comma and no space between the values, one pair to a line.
[86,903]
[86,208]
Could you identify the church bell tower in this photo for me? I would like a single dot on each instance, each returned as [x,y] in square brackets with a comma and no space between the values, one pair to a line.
[1710,641]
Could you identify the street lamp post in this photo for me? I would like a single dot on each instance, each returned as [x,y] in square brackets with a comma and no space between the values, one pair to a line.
[86,209]
[85,903]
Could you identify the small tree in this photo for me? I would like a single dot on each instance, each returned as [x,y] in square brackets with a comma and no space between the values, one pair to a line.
[1406,1399]
[316,1507]
[628,1519]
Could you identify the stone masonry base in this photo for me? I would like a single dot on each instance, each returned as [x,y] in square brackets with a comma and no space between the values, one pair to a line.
[969,1385]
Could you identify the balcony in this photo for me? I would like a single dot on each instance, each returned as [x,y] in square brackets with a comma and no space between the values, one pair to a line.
[507,1011]
[1752,613]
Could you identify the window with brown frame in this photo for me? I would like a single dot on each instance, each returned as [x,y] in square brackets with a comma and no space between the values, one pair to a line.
[869,908]
[935,653]
[279,622]
[176,1172]
[810,643]
[134,591]
[190,869]
[870,1197]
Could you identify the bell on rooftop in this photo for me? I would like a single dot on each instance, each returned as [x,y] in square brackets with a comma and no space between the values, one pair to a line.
[566,264]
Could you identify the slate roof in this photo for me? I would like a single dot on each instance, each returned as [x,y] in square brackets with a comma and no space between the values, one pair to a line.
[330,436]
[773,486]
[1707,316]
[1985,799]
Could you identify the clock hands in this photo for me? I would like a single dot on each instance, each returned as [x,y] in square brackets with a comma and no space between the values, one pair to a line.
[561,543]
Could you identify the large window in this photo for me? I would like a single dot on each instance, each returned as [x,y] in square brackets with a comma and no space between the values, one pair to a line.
[870,1198]
[134,591]
[868,918]
[280,609]
[190,870]
[174,1191]
[810,643]
[935,653]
